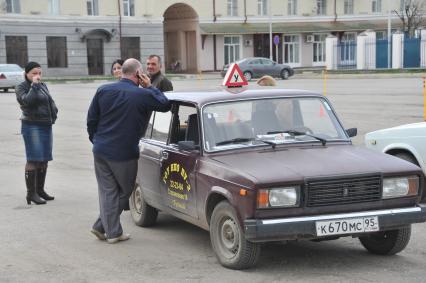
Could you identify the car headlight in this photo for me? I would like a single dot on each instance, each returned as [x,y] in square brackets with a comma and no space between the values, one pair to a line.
[278,197]
[400,187]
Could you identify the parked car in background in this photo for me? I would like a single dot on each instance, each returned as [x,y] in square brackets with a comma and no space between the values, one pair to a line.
[257,67]
[10,76]
[264,165]
[407,142]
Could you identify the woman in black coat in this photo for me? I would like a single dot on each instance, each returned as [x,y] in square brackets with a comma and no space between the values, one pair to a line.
[38,115]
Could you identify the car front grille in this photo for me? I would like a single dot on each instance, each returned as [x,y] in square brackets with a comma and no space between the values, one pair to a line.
[338,191]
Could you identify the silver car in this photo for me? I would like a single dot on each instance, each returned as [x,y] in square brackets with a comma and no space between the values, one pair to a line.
[257,67]
[10,76]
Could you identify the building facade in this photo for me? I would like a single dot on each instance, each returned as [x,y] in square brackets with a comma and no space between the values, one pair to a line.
[83,37]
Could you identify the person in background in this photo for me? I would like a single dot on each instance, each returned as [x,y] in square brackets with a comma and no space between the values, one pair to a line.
[39,113]
[116,118]
[266,81]
[116,68]
[158,80]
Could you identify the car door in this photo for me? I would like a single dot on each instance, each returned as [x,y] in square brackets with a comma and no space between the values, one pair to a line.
[256,67]
[151,147]
[270,68]
[178,178]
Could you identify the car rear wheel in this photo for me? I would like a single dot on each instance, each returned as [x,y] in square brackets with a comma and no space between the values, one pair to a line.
[142,213]
[285,74]
[248,75]
[387,242]
[227,238]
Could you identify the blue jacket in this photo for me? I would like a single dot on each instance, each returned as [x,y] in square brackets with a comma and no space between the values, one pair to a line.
[117,116]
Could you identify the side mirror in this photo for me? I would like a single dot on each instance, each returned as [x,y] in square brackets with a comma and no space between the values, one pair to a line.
[352,132]
[187,145]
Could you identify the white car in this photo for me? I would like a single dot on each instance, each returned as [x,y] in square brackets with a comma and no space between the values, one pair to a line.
[407,142]
[10,76]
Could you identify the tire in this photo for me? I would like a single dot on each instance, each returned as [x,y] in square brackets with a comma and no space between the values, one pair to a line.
[387,242]
[285,74]
[142,213]
[248,75]
[229,244]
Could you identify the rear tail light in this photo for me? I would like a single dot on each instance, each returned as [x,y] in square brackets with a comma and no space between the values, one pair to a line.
[2,77]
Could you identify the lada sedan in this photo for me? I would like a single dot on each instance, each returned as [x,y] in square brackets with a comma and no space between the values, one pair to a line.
[10,76]
[407,142]
[265,165]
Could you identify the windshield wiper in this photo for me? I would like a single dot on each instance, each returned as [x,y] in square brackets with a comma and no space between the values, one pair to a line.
[236,140]
[299,133]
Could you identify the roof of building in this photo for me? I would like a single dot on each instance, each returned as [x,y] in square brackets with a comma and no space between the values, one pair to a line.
[293,27]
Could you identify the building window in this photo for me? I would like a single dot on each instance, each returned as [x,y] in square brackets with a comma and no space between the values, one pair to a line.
[262,7]
[292,7]
[130,48]
[349,7]
[348,48]
[92,8]
[232,49]
[232,8]
[291,49]
[57,55]
[13,6]
[376,6]
[54,7]
[129,7]
[380,35]
[16,50]
[321,7]
[319,48]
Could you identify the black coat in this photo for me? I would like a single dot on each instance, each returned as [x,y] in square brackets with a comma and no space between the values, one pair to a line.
[36,103]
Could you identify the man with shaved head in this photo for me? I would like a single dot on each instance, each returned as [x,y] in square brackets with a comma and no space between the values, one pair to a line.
[116,120]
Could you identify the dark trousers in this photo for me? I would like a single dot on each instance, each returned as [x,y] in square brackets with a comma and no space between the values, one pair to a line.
[116,181]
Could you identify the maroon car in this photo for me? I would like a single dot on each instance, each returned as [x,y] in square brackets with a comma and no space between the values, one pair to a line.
[271,165]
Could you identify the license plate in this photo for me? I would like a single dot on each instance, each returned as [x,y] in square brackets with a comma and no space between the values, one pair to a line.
[347,226]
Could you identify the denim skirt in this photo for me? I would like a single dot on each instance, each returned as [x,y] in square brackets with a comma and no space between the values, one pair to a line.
[38,141]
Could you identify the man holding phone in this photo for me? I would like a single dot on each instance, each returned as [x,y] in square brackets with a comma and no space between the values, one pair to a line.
[116,118]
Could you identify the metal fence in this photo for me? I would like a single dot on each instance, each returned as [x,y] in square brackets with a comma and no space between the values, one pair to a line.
[346,55]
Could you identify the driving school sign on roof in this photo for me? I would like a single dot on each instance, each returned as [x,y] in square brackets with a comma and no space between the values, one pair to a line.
[234,77]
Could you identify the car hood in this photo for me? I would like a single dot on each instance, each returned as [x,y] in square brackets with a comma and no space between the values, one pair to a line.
[294,164]
[414,129]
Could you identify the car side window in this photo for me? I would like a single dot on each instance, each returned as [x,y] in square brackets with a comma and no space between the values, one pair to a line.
[255,62]
[267,62]
[185,125]
[161,126]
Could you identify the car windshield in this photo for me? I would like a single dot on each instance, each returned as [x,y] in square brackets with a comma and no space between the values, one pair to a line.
[10,68]
[269,122]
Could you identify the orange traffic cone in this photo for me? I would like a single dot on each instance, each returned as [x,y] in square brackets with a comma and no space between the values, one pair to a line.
[321,112]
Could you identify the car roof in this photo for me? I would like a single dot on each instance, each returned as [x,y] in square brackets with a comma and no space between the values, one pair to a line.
[203,97]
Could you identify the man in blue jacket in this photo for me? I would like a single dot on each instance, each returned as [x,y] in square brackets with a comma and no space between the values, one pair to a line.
[115,121]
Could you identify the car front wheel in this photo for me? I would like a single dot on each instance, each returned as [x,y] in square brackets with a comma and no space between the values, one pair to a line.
[227,238]
[387,242]
[285,74]
[248,75]
[142,213]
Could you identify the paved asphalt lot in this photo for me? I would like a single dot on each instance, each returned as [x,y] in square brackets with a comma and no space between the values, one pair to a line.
[51,243]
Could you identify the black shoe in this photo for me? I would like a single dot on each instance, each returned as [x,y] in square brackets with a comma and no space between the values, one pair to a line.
[41,177]
[30,180]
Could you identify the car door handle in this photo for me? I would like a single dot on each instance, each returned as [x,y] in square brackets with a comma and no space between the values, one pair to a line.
[164,155]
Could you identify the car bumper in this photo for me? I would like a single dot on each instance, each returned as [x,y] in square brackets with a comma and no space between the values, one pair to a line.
[264,230]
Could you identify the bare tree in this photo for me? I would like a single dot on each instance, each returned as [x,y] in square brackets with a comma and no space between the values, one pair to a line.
[411,15]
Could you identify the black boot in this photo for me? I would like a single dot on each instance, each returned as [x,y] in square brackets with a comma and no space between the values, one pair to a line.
[41,177]
[30,180]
